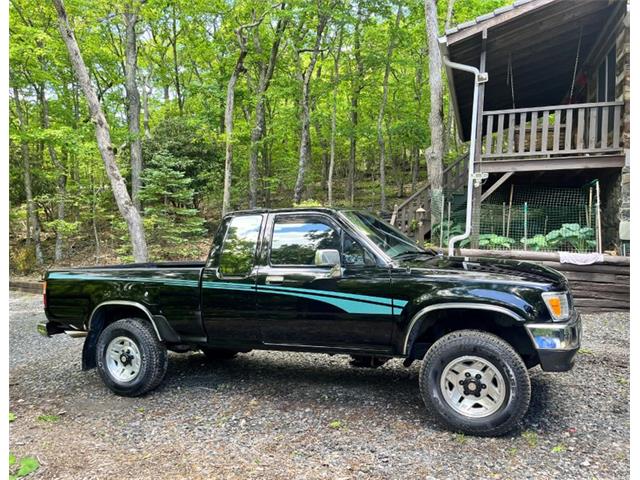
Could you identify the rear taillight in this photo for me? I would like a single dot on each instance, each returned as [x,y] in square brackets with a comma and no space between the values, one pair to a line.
[44,294]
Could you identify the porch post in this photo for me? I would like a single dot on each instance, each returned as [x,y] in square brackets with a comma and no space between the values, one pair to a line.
[477,191]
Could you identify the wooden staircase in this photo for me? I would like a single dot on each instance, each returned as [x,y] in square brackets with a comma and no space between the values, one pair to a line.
[404,217]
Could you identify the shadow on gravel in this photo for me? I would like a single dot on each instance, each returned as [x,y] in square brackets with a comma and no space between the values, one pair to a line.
[311,377]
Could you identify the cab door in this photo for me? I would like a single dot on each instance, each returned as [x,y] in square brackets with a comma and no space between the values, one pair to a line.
[228,293]
[308,294]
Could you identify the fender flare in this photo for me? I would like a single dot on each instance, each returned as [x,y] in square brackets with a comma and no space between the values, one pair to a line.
[416,320]
[161,326]
[126,303]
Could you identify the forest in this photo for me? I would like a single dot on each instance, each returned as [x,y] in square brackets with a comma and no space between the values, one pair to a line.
[135,125]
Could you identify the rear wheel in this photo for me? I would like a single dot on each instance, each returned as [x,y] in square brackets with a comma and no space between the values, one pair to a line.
[130,358]
[215,354]
[475,383]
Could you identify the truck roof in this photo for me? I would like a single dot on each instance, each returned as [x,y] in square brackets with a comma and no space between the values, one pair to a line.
[290,209]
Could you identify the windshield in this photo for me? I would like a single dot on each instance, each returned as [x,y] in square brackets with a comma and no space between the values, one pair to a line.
[393,242]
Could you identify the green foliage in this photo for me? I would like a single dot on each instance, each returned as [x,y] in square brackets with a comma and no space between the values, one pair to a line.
[560,448]
[536,243]
[12,417]
[48,418]
[23,259]
[491,240]
[170,217]
[184,77]
[336,425]
[26,466]
[309,203]
[531,438]
[572,235]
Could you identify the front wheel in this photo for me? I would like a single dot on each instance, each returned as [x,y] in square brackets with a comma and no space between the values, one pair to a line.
[130,358]
[475,382]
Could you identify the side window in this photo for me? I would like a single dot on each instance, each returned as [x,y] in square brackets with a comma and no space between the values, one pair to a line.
[355,254]
[239,246]
[296,239]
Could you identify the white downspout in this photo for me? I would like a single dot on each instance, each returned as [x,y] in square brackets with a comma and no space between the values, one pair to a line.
[479,78]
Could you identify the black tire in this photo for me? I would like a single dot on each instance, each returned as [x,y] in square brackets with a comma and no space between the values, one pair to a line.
[367,361]
[489,348]
[153,357]
[217,354]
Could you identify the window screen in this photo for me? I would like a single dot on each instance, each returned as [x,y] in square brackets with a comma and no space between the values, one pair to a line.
[295,239]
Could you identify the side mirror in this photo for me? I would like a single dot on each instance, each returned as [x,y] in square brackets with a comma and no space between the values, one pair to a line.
[327,258]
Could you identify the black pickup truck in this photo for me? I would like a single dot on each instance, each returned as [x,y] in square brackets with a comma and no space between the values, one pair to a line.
[329,281]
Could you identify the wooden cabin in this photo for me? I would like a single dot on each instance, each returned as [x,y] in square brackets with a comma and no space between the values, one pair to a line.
[554,111]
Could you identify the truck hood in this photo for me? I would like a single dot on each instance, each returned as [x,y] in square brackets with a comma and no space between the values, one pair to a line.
[489,270]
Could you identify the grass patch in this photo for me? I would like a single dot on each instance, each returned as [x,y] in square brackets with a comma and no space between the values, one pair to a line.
[336,425]
[12,417]
[586,351]
[48,418]
[22,468]
[560,448]
[459,438]
[531,438]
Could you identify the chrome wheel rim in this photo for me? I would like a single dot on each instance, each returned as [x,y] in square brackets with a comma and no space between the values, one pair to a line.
[473,386]
[123,359]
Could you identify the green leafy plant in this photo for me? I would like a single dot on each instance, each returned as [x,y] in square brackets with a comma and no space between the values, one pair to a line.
[48,418]
[491,240]
[26,466]
[572,235]
[536,243]
[336,425]
[12,417]
[447,229]
[531,438]
[560,448]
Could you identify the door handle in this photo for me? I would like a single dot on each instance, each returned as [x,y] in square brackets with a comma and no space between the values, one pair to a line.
[273,279]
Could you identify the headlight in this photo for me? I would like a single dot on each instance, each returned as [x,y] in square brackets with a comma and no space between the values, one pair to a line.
[557,304]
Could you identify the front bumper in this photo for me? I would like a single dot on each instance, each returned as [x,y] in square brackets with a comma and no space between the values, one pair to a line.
[557,343]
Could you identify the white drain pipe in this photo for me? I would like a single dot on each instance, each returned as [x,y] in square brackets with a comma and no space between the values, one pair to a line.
[479,78]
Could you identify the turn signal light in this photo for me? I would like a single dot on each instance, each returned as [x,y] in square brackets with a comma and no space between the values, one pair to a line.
[557,304]
[44,294]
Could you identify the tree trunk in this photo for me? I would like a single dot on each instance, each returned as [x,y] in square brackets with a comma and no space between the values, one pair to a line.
[334,108]
[257,133]
[305,119]
[174,48]
[133,102]
[126,207]
[228,111]
[435,153]
[383,105]
[355,96]
[228,130]
[33,224]
[62,177]
[146,92]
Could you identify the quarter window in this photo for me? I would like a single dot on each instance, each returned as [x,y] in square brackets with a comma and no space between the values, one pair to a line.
[296,239]
[239,246]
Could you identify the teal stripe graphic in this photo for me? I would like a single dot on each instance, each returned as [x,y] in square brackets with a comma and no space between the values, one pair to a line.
[348,302]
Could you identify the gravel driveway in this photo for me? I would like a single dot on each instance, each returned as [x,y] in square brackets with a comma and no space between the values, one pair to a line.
[290,415]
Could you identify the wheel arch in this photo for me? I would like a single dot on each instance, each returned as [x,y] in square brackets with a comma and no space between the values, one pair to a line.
[434,321]
[108,312]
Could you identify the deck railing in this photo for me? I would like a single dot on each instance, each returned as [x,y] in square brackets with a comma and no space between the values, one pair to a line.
[561,130]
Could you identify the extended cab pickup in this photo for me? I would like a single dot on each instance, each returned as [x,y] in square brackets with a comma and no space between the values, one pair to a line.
[329,281]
